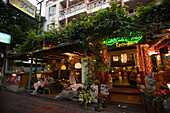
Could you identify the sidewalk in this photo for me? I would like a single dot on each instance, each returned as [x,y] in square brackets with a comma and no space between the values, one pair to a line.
[116,105]
[124,100]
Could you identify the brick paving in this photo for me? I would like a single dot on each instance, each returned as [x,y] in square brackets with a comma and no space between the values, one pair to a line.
[26,103]
[14,103]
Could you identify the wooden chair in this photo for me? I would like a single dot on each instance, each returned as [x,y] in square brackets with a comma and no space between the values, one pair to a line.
[50,88]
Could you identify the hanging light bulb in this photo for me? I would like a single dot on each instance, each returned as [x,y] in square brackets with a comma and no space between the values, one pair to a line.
[78,65]
[63,67]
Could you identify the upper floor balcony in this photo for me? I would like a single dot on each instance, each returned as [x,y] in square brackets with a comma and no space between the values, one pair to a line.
[81,7]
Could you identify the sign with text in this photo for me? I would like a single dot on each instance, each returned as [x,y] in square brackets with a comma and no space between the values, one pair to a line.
[5,38]
[24,6]
[124,41]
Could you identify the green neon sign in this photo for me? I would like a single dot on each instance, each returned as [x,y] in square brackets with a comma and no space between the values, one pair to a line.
[123,41]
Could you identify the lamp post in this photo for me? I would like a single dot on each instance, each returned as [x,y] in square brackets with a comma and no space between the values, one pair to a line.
[39,27]
[39,23]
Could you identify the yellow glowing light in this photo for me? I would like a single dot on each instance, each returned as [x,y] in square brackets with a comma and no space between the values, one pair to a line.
[168,86]
[115,58]
[124,58]
[152,53]
[70,54]
[14,74]
[63,67]
[158,57]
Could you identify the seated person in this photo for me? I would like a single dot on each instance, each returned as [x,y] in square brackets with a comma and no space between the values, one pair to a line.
[49,80]
[41,82]
[73,78]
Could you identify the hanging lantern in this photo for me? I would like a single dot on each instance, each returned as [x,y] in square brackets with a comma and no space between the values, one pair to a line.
[63,67]
[78,65]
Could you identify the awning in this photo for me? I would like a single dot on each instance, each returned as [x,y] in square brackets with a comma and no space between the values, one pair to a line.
[53,53]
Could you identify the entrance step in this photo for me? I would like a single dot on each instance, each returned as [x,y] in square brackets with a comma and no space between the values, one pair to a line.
[124,90]
[125,95]
[124,86]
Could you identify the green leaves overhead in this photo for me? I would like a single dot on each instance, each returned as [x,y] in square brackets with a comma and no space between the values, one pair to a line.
[111,22]
[17,24]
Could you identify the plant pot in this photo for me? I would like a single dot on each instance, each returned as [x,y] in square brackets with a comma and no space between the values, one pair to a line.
[99,107]
[105,104]
[152,109]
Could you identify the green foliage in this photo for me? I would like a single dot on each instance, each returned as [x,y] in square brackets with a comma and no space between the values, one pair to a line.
[17,24]
[85,98]
[33,42]
[157,97]
[152,18]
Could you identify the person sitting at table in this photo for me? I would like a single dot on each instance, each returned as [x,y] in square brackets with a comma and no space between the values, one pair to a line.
[49,80]
[41,82]
[73,78]
[22,69]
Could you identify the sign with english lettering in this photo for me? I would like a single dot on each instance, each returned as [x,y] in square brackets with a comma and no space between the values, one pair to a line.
[24,6]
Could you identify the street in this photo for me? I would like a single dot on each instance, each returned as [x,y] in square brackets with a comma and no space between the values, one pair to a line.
[26,103]
[14,103]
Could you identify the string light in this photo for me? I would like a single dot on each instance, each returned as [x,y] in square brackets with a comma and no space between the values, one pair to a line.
[164,38]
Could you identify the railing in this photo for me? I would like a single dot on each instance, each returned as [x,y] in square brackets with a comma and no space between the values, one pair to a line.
[62,12]
[81,5]
[76,7]
[95,4]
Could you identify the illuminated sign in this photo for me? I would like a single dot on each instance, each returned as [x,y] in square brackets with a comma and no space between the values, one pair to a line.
[124,41]
[5,38]
[24,6]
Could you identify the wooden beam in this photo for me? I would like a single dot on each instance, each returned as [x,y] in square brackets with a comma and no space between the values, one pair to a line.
[160,35]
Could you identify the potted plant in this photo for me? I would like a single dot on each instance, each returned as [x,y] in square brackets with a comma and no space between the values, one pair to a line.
[154,100]
[101,98]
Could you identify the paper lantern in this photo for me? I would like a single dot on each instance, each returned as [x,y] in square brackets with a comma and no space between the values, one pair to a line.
[63,67]
[78,65]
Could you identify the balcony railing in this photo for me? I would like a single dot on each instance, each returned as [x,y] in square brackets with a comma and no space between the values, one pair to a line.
[95,4]
[76,7]
[62,12]
[80,6]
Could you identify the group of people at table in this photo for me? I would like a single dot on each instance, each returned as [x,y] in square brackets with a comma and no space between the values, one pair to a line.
[44,81]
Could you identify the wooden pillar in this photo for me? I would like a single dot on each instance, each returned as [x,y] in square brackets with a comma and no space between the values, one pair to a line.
[4,64]
[122,3]
[35,72]
[147,60]
[85,1]
[66,21]
[67,7]
[141,63]
[30,74]
[59,71]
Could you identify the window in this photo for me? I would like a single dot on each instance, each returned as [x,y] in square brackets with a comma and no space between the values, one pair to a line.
[115,58]
[52,10]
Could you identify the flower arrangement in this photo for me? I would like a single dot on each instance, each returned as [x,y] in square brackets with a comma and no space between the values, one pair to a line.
[101,97]
[85,98]
[157,97]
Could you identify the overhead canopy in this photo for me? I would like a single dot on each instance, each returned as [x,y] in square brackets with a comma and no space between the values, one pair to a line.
[53,53]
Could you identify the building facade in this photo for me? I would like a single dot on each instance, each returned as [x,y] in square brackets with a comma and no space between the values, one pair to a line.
[61,12]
